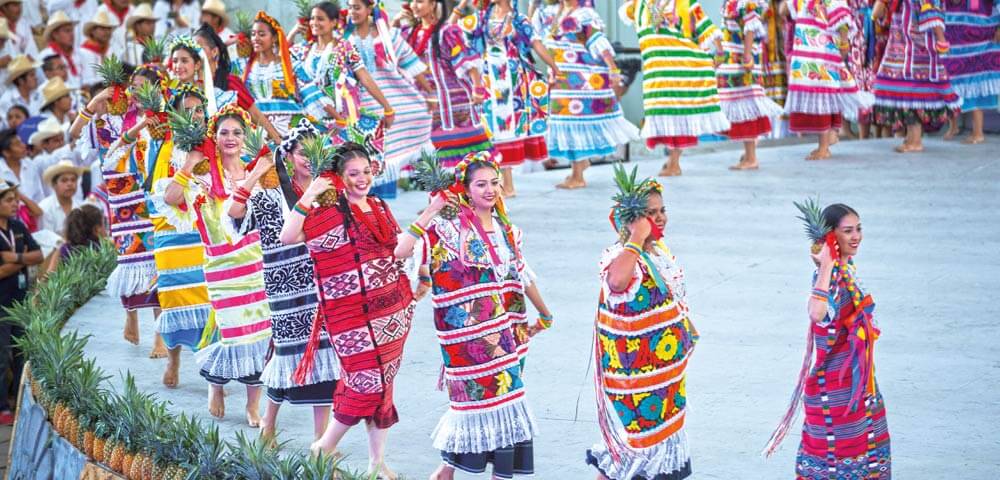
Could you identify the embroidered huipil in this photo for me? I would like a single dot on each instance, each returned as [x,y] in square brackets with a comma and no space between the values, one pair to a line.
[280,98]
[517,105]
[643,342]
[479,315]
[585,119]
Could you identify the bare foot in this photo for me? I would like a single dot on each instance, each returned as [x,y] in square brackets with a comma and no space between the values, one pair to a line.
[131,334]
[268,435]
[834,138]
[159,348]
[818,154]
[216,402]
[170,375]
[974,140]
[383,472]
[253,418]
[316,448]
[570,184]
[951,133]
[550,163]
[745,166]
[905,148]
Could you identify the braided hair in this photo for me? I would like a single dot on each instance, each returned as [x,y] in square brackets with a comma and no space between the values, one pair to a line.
[223,66]
[341,155]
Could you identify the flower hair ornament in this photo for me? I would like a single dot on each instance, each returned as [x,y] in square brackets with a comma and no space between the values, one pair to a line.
[188,42]
[283,53]
[187,89]
[466,215]
[215,167]
[303,129]
[385,54]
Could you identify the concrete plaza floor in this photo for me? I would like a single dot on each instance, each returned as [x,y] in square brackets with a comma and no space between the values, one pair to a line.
[930,256]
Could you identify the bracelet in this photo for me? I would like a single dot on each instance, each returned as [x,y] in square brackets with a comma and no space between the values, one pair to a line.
[84,114]
[457,11]
[633,248]
[243,192]
[388,112]
[181,178]
[426,279]
[942,47]
[818,292]
[416,230]
[614,71]
[126,138]
[545,320]
[300,209]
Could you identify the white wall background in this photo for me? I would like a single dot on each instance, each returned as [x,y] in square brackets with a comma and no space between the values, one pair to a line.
[285,12]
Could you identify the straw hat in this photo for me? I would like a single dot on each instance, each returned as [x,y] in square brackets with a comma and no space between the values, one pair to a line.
[55,21]
[6,186]
[19,66]
[142,12]
[60,168]
[53,90]
[101,19]
[216,7]
[5,2]
[47,129]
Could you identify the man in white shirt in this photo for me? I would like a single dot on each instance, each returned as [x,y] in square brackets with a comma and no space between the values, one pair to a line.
[78,10]
[213,14]
[22,86]
[118,11]
[142,25]
[20,27]
[98,32]
[53,66]
[63,178]
[16,168]
[7,52]
[60,40]
[57,104]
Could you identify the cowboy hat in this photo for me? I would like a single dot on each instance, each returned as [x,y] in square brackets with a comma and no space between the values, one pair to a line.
[53,90]
[60,168]
[5,2]
[100,19]
[55,21]
[19,66]
[216,7]
[142,12]
[47,129]
[6,186]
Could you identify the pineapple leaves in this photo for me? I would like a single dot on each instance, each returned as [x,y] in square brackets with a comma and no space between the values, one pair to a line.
[632,196]
[812,218]
[429,176]
[189,133]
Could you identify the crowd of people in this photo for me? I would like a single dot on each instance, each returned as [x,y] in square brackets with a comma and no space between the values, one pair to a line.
[250,212]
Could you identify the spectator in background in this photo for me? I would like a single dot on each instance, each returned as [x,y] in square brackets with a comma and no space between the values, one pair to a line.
[17,169]
[16,116]
[7,52]
[78,10]
[57,103]
[63,178]
[21,74]
[213,14]
[22,37]
[60,40]
[142,25]
[84,229]
[51,148]
[177,17]
[98,41]
[118,12]
[18,250]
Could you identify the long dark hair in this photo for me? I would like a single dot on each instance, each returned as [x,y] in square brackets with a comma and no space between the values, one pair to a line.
[80,225]
[222,65]
[833,214]
[331,9]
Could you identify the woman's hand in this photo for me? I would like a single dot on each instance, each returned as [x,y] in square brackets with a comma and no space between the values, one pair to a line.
[422,289]
[264,165]
[389,117]
[824,257]
[878,11]
[440,200]
[318,186]
[99,103]
[640,230]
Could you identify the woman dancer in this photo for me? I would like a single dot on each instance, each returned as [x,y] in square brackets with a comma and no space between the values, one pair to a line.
[585,120]
[845,434]
[773,60]
[290,287]
[974,59]
[517,103]
[679,85]
[124,172]
[479,281]
[739,57]
[233,267]
[456,80]
[365,300]
[860,63]
[820,87]
[282,91]
[641,398]
[398,72]
[912,88]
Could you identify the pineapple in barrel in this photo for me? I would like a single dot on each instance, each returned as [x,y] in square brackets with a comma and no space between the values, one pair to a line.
[112,72]
[189,134]
[631,199]
[815,227]
[254,142]
[154,50]
[244,23]
[320,157]
[150,98]
[429,176]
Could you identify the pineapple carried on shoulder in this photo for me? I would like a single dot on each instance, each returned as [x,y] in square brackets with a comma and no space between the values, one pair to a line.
[150,98]
[816,229]
[305,7]
[189,134]
[254,144]
[320,155]
[430,176]
[631,199]
[154,50]
[244,24]
[112,72]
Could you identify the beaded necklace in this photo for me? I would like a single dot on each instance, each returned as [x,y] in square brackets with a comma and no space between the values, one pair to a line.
[383,231]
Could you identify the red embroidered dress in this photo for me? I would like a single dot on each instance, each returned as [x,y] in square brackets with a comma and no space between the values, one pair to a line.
[479,315]
[365,303]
